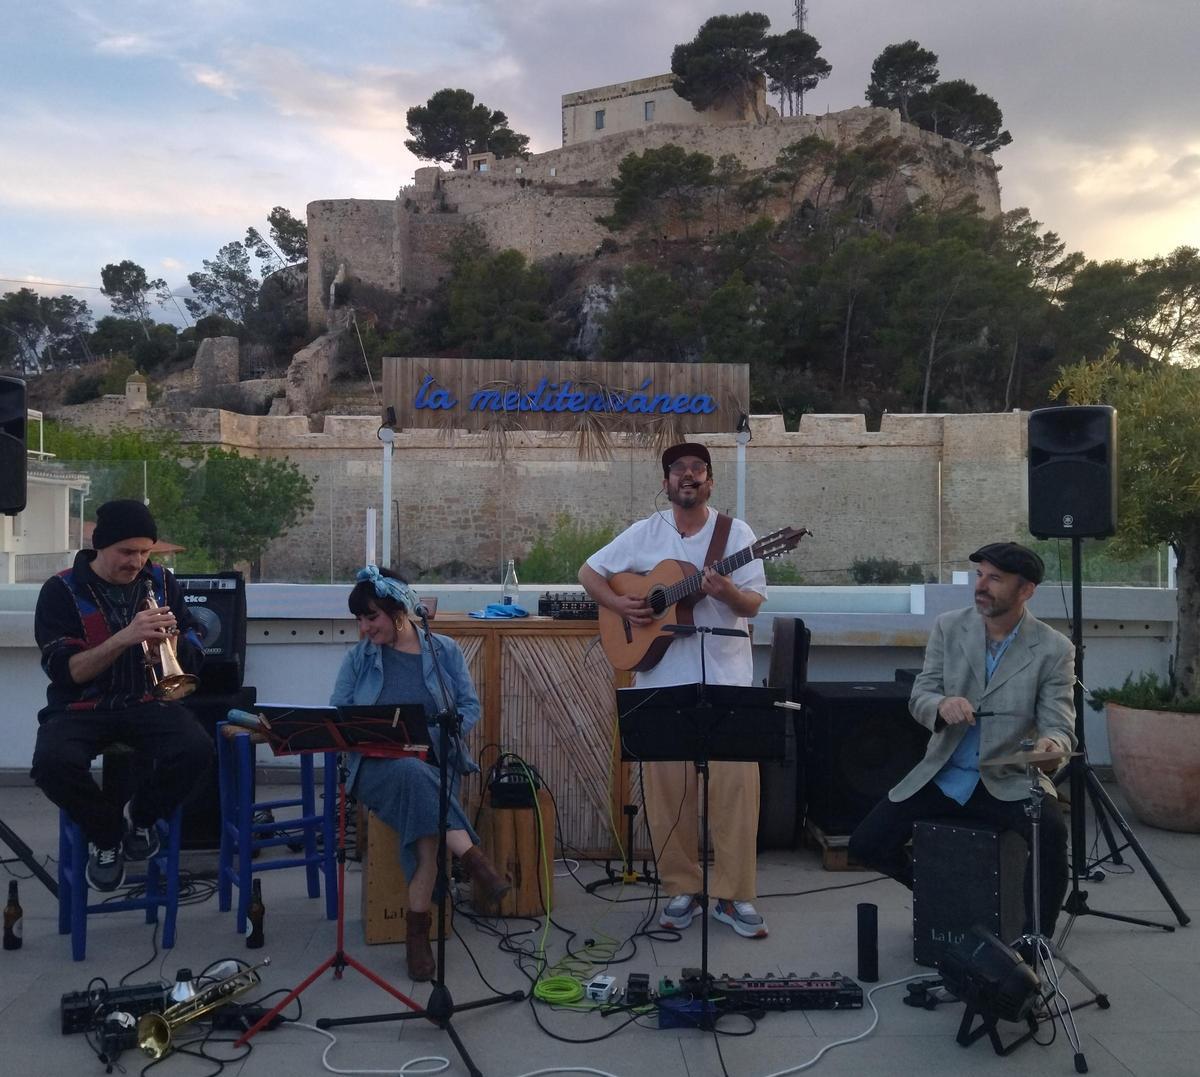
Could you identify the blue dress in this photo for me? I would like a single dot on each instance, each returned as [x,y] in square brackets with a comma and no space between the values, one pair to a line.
[404,792]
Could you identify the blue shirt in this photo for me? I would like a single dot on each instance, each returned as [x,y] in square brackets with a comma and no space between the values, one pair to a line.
[959,777]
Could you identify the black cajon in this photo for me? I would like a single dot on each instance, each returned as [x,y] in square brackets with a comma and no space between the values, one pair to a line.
[965,874]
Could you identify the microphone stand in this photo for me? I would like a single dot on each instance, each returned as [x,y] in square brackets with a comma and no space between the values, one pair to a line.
[703,706]
[441,1008]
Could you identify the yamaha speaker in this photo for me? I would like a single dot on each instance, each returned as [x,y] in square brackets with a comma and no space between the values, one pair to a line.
[217,603]
[202,809]
[858,741]
[1073,472]
[779,780]
[965,875]
[12,445]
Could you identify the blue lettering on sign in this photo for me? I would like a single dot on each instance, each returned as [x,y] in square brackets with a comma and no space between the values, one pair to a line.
[550,397]
[437,399]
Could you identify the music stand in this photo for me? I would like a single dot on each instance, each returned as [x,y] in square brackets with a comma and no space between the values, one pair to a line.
[295,730]
[441,1007]
[700,723]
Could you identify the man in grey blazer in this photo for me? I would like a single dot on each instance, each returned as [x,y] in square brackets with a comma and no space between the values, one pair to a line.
[994,676]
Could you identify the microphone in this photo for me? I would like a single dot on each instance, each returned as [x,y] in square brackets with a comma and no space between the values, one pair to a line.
[421,610]
[254,722]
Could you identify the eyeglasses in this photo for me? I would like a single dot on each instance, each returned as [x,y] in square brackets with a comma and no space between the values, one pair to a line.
[681,467]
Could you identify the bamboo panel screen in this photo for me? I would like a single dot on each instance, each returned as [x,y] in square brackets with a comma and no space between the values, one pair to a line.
[559,713]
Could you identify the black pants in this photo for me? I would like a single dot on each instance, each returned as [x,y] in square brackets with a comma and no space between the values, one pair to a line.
[172,755]
[880,839]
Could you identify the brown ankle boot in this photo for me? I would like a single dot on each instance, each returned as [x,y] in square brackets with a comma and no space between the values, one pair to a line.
[490,884]
[420,954]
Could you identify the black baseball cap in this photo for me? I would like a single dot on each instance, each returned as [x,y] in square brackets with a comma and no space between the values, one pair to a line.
[1012,557]
[685,448]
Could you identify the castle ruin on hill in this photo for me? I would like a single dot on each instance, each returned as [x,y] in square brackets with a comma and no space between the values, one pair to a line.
[548,204]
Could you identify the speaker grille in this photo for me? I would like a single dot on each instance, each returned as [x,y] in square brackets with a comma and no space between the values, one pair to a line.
[1072,472]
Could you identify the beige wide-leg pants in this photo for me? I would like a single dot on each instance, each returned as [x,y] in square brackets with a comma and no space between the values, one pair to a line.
[672,797]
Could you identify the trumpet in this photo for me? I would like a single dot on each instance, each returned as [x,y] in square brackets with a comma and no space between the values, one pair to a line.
[167,679]
[155,1031]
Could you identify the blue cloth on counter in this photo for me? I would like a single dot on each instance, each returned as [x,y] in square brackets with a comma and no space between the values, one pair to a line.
[499,609]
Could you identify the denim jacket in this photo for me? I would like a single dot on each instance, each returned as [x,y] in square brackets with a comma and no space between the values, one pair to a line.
[360,680]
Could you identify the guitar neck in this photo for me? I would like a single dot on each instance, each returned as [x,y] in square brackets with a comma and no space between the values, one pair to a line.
[692,584]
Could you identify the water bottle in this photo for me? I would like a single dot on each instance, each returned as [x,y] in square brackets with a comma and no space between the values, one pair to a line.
[509,590]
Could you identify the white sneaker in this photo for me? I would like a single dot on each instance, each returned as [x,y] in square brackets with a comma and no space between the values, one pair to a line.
[742,917]
[680,912]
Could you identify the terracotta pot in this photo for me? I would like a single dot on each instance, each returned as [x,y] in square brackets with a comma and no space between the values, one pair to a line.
[1156,758]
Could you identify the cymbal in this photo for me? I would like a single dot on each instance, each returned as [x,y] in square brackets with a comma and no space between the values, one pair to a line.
[1025,759]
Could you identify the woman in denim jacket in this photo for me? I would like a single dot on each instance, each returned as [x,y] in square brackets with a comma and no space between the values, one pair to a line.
[392,664]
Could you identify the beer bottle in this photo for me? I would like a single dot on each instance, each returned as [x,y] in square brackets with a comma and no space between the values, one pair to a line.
[254,918]
[13,914]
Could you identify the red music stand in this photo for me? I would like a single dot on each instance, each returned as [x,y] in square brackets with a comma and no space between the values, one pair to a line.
[297,730]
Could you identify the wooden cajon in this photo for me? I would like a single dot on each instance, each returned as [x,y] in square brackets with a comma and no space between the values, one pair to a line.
[385,890]
[509,837]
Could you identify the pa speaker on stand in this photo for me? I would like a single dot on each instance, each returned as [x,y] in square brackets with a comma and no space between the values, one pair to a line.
[1073,472]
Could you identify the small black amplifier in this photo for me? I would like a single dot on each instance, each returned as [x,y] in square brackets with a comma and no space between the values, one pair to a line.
[568,606]
[964,874]
[82,1010]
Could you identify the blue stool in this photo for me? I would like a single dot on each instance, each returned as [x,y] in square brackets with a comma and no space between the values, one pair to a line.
[161,883]
[242,837]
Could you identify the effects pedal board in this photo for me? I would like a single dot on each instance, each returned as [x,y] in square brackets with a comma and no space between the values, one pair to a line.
[82,1010]
[790,992]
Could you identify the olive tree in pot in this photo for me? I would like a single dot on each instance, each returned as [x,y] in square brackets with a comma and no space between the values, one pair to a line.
[1153,727]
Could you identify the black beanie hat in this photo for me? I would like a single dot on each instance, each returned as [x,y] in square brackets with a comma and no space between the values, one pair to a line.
[117,520]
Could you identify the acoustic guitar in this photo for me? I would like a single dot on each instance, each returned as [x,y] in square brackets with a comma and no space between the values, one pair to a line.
[671,589]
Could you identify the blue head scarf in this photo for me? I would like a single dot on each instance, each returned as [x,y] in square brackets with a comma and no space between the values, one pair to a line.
[385,587]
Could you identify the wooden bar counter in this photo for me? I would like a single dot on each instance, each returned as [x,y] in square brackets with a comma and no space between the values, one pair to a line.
[547,694]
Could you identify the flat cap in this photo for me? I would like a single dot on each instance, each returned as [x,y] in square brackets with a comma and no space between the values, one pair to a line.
[1012,557]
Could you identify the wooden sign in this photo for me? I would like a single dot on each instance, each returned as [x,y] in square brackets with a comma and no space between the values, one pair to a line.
[482,394]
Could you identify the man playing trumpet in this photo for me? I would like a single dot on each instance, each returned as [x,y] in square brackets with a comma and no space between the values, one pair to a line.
[108,628]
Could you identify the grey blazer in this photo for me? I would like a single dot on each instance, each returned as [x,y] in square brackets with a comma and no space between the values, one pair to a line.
[1030,694]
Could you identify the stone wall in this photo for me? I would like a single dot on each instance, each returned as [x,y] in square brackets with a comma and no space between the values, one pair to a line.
[548,203]
[924,488]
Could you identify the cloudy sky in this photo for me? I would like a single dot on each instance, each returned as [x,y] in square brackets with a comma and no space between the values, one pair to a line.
[159,131]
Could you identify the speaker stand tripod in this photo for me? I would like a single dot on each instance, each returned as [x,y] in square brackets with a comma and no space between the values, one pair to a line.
[1085,786]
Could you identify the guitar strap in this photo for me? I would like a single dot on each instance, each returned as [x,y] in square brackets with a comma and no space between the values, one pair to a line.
[720,536]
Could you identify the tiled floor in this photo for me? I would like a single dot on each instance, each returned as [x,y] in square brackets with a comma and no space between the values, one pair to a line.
[1151,976]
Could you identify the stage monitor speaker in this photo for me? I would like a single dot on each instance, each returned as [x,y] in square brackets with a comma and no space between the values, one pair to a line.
[1073,472]
[859,740]
[12,446]
[963,875]
[779,780]
[202,809]
[217,603]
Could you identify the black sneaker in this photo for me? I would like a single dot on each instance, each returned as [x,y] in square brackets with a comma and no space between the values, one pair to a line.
[141,842]
[105,868]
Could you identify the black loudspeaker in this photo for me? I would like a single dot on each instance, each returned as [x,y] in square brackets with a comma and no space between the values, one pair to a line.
[202,809]
[858,741]
[963,876]
[1073,472]
[779,780]
[217,603]
[12,445]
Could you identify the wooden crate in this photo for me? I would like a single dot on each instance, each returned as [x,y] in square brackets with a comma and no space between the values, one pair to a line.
[834,848]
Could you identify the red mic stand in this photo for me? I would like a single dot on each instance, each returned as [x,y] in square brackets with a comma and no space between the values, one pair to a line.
[339,959]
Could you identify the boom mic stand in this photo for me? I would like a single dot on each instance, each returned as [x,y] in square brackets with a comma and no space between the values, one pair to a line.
[1085,785]
[441,1008]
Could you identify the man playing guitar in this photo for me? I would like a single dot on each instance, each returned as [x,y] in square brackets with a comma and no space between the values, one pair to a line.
[692,532]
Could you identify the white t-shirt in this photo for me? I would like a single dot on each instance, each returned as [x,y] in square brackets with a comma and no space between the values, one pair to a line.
[641,546]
